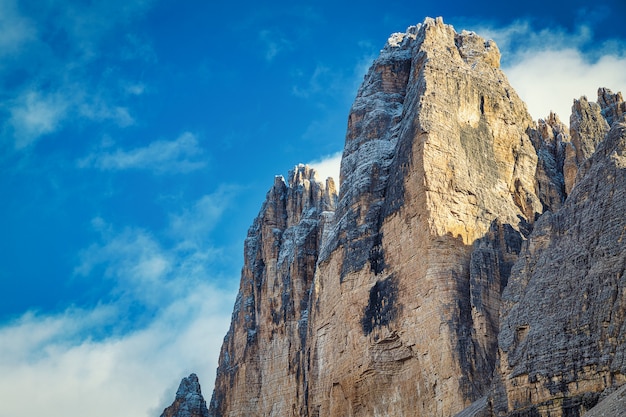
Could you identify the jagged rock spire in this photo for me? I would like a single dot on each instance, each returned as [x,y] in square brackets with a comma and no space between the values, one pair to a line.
[189,401]
[269,321]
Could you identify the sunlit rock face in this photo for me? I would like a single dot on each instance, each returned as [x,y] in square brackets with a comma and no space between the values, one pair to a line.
[437,193]
[472,264]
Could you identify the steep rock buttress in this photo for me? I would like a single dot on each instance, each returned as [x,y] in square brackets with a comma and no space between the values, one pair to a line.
[261,365]
[437,192]
[562,340]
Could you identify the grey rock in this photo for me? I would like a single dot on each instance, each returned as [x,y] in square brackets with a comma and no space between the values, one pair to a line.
[562,336]
[612,105]
[550,139]
[613,405]
[587,128]
[262,363]
[189,401]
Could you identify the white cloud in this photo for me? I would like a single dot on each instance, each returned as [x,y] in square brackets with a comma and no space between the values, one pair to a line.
[551,79]
[176,156]
[551,67]
[63,373]
[327,166]
[35,115]
[93,358]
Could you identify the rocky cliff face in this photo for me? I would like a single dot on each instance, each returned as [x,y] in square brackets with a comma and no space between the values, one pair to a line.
[189,401]
[437,192]
[262,364]
[563,317]
[473,262]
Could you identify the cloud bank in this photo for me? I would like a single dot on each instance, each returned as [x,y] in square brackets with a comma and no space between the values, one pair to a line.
[164,317]
[51,366]
[549,68]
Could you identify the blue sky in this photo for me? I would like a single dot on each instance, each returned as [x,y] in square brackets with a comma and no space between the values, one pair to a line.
[138,140]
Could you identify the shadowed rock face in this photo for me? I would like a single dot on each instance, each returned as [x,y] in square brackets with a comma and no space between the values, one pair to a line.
[563,318]
[189,401]
[473,262]
[551,140]
[613,405]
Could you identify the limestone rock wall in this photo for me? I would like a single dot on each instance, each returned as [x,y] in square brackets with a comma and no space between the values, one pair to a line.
[437,192]
[551,139]
[562,338]
[589,124]
[261,366]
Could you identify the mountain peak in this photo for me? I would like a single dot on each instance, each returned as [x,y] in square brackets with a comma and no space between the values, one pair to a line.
[465,241]
[189,401]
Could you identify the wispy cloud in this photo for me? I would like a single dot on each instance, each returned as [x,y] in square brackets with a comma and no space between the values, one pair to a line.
[340,83]
[274,43]
[321,80]
[550,67]
[15,29]
[181,155]
[191,225]
[54,79]
[34,115]
[134,261]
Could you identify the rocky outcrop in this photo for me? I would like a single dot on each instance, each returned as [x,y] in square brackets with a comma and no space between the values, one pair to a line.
[563,318]
[551,140]
[261,365]
[472,265]
[437,191]
[189,401]
[612,105]
[589,124]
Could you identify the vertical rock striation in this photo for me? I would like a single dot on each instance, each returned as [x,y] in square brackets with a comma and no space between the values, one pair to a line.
[562,338]
[589,124]
[437,191]
[551,139]
[261,367]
